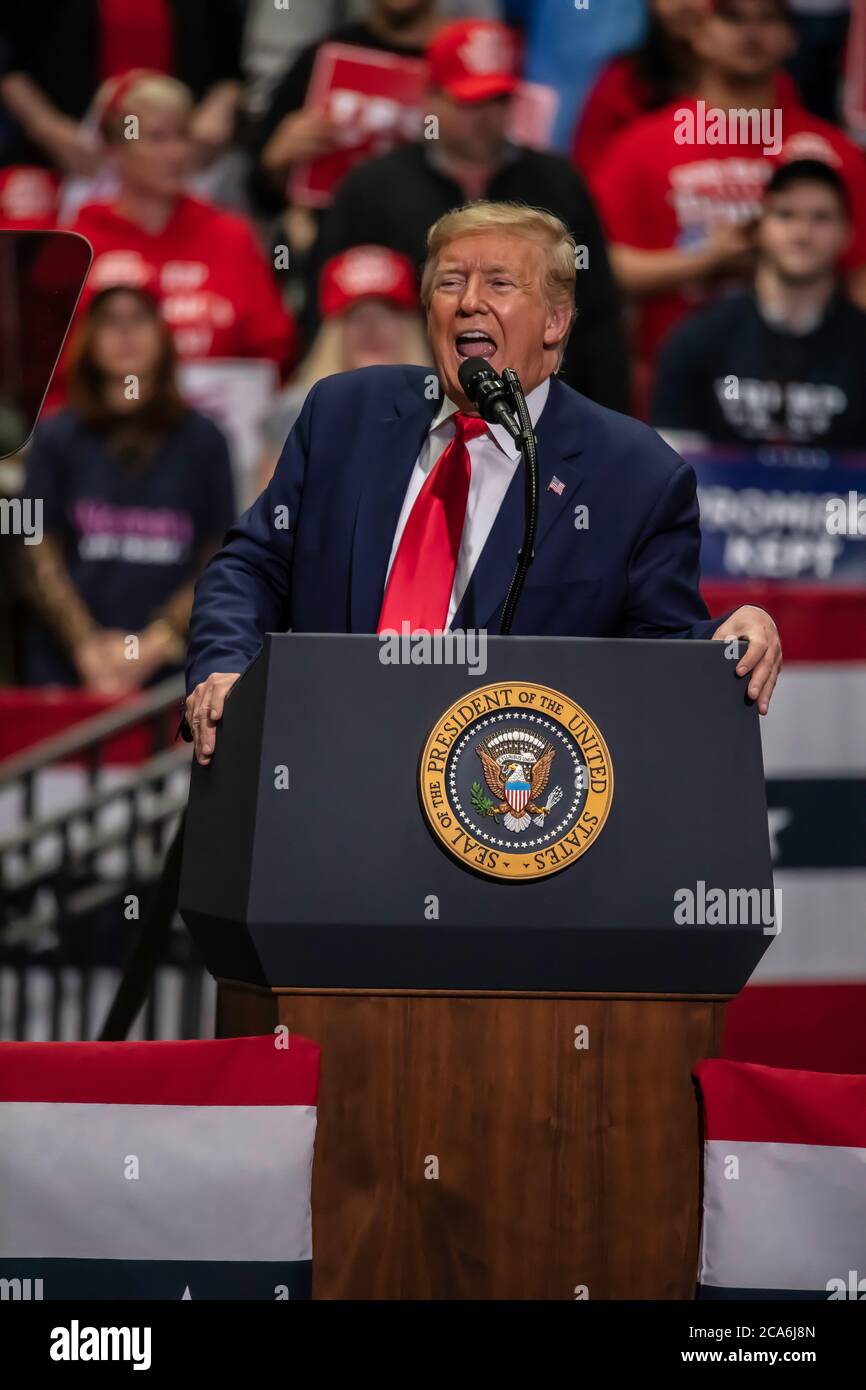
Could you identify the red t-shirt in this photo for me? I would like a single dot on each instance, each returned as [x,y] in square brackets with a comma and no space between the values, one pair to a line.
[218,295]
[135,34]
[655,194]
[618,98]
[29,197]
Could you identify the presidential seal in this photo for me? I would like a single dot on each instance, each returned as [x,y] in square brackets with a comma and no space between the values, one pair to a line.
[516,781]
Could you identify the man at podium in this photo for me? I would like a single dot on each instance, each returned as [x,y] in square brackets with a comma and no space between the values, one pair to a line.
[394,503]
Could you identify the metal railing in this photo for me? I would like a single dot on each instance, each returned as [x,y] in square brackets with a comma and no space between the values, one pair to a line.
[79,874]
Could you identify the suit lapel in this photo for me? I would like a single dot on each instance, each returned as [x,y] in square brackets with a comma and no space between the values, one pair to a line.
[394,449]
[558,458]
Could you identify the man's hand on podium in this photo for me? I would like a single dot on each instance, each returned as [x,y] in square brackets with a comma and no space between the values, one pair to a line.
[204,709]
[764,655]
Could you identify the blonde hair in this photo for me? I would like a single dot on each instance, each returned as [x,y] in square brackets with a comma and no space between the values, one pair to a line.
[325,356]
[542,227]
[117,98]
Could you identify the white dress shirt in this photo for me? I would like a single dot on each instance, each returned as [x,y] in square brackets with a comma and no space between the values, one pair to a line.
[493,457]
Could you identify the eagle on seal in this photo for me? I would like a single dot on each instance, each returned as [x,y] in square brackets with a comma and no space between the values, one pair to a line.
[518,799]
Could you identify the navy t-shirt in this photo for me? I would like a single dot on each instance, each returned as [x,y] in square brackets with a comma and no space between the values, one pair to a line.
[130,538]
[730,375]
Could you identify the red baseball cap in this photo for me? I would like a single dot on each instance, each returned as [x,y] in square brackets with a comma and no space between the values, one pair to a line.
[366,272]
[474,60]
[112,95]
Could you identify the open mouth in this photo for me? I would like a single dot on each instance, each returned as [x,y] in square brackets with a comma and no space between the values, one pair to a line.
[475,343]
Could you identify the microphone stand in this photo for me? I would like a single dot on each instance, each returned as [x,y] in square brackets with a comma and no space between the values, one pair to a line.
[526,442]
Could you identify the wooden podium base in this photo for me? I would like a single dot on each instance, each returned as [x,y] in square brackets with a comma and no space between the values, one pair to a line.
[499,1146]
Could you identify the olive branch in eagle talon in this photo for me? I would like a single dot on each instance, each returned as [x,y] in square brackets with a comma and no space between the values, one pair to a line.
[483,805]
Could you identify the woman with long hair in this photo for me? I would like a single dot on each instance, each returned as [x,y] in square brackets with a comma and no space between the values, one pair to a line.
[134,493]
[641,81]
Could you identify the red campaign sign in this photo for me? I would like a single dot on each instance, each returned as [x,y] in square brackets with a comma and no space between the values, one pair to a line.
[376,101]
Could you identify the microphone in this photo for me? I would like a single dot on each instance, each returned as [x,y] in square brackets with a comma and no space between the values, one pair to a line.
[485,388]
[496,398]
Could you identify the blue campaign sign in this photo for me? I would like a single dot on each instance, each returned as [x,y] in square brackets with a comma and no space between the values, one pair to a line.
[782,514]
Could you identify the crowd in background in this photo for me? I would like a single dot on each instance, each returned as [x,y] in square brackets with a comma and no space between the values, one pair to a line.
[721,286]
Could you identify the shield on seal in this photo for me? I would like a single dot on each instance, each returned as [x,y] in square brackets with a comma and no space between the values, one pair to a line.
[517,791]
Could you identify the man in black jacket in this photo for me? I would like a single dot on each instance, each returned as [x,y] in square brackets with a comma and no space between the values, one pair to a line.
[289,132]
[464,156]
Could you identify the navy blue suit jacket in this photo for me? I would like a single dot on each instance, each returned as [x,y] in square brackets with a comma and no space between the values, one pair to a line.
[343,474]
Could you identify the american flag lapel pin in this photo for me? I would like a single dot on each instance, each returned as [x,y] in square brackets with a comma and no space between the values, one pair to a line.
[556,485]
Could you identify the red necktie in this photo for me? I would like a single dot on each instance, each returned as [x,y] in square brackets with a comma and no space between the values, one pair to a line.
[422,576]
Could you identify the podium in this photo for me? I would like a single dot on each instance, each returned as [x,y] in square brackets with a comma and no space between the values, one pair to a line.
[510,899]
